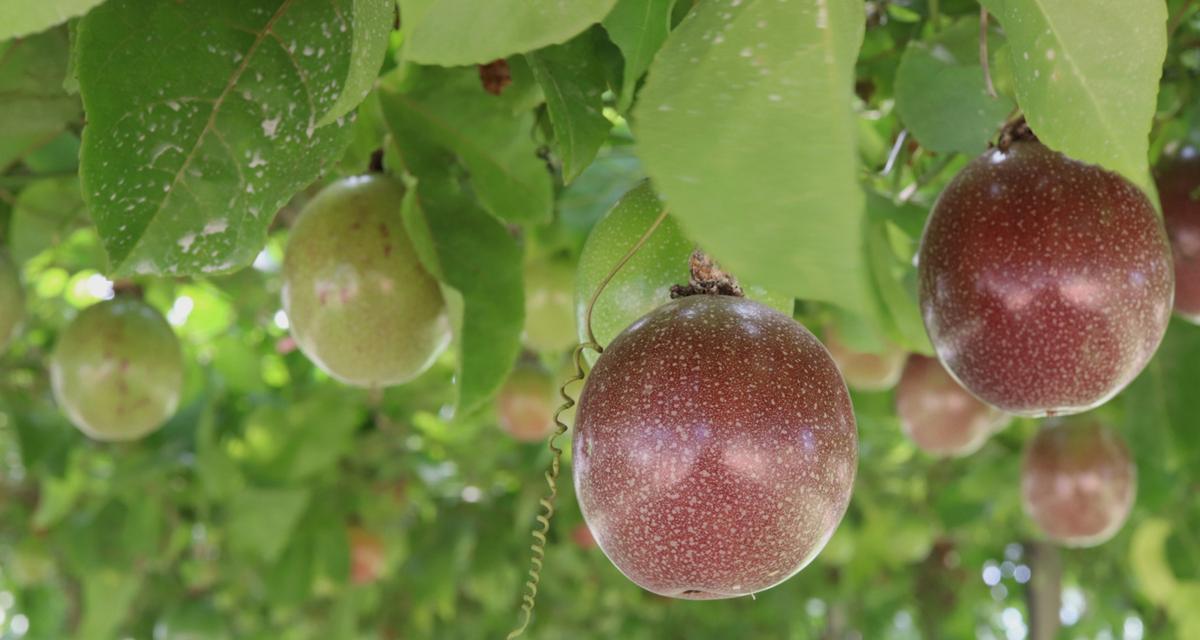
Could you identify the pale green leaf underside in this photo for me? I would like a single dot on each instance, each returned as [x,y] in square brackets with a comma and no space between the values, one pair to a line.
[940,91]
[23,17]
[460,32]
[638,28]
[573,82]
[450,109]
[475,255]
[744,125]
[1087,75]
[184,165]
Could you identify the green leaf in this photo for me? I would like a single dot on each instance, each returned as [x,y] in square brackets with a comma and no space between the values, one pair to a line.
[372,27]
[940,92]
[185,164]
[638,28]
[261,520]
[32,100]
[23,17]
[44,214]
[446,111]
[573,82]
[459,32]
[1087,76]
[475,255]
[108,595]
[746,128]
[893,275]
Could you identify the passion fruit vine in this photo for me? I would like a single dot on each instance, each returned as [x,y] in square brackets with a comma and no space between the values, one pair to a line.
[360,304]
[715,448]
[1045,283]
[117,370]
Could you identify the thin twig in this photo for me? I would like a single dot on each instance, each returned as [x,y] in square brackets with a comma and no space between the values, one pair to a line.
[894,153]
[983,52]
[1177,19]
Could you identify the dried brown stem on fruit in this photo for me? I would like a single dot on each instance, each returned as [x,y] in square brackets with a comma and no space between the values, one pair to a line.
[1016,130]
[707,278]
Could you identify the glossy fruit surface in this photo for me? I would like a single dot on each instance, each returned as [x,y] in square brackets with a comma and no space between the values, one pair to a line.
[938,415]
[1078,482]
[715,448]
[1179,191]
[526,403]
[1045,283]
[368,556]
[360,304]
[12,300]
[549,306]
[865,371]
[117,370]
[645,281]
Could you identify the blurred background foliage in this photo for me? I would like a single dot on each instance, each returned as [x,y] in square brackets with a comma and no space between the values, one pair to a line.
[280,504]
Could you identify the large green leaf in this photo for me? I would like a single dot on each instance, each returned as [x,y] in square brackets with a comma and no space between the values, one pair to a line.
[185,164]
[573,81]
[458,32]
[940,91]
[638,28]
[745,126]
[474,254]
[261,520]
[44,214]
[32,100]
[23,17]
[1087,75]
[442,111]
[372,26]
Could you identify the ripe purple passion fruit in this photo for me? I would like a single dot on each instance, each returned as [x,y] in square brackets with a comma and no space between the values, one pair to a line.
[1045,283]
[12,300]
[360,304]
[715,448]
[117,370]
[938,415]
[1179,189]
[1078,482]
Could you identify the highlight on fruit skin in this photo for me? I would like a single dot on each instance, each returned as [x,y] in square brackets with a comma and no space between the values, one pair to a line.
[938,415]
[12,300]
[1078,482]
[117,370]
[526,403]
[1045,283]
[1178,179]
[359,303]
[863,370]
[715,448]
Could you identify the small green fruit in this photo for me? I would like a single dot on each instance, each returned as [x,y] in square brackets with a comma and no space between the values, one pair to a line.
[644,283]
[549,306]
[360,304]
[117,370]
[12,300]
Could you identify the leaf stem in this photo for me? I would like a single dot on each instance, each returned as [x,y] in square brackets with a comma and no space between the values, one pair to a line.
[1176,20]
[983,52]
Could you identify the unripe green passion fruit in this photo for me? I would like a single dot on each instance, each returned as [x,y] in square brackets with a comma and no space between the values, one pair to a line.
[359,302]
[645,281]
[549,306]
[12,300]
[117,370]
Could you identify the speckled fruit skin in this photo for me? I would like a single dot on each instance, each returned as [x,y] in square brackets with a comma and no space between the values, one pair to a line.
[525,404]
[938,415]
[549,306]
[1179,191]
[1078,482]
[865,371]
[117,370]
[1045,283]
[715,448]
[360,304]
[12,300]
[645,281]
